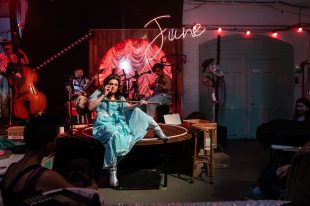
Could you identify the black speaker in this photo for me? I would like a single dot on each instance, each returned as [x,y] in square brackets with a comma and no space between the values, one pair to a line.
[139,179]
[70,148]
[196,115]
[222,136]
[161,111]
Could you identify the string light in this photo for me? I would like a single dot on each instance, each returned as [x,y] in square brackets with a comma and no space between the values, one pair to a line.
[253,29]
[299,29]
[275,34]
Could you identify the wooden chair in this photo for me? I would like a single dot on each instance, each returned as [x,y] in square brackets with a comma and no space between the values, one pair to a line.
[298,182]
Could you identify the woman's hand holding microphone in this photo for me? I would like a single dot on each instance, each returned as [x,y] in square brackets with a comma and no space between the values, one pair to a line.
[107,89]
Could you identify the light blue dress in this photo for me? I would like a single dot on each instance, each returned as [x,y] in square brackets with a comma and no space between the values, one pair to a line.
[118,129]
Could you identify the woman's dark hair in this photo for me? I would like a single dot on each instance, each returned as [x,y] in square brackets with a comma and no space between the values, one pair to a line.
[305,102]
[118,93]
[39,131]
[157,65]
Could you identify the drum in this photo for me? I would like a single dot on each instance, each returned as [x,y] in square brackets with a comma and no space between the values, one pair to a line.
[77,129]
[78,110]
[71,110]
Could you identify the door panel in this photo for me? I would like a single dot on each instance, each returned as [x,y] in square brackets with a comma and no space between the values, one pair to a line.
[270,89]
[233,113]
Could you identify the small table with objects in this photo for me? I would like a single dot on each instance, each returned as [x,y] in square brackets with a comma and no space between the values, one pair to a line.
[205,155]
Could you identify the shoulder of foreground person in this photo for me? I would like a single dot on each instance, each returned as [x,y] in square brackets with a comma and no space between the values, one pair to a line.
[50,180]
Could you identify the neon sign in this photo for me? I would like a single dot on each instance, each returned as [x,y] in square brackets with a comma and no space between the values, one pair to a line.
[173,34]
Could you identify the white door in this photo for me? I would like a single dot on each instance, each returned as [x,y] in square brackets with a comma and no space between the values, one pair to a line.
[259,80]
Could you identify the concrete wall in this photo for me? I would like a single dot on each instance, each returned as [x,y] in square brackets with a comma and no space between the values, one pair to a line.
[236,14]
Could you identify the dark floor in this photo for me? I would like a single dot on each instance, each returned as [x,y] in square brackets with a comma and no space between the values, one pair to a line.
[247,158]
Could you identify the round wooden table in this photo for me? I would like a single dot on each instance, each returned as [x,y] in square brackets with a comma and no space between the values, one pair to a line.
[173,132]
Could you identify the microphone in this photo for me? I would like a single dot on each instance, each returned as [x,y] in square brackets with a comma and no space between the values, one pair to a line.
[147,72]
[136,74]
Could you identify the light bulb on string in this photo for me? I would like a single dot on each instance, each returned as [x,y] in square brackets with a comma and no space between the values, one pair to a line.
[275,34]
[219,30]
[248,33]
[299,29]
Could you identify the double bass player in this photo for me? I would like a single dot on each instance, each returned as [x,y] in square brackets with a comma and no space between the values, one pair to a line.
[9,69]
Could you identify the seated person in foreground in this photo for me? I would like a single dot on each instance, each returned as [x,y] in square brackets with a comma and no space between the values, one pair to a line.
[118,125]
[290,176]
[298,180]
[27,177]
[294,132]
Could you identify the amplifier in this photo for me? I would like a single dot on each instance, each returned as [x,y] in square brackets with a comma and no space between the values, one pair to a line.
[16,132]
[139,179]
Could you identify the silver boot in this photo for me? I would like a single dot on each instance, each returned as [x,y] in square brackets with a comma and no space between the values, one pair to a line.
[158,131]
[113,176]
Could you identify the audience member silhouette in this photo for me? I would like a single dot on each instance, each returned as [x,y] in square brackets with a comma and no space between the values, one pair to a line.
[298,181]
[293,132]
[27,177]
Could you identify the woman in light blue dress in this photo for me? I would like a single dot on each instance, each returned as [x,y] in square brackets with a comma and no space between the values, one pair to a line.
[118,125]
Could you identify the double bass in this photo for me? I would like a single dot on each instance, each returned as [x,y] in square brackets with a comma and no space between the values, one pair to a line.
[28,100]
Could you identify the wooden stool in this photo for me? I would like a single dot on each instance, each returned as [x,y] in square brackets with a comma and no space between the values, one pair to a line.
[205,156]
